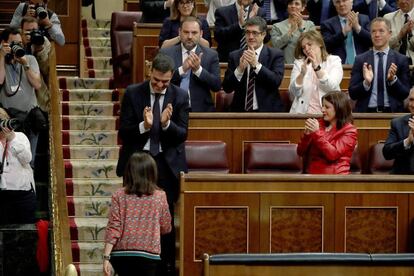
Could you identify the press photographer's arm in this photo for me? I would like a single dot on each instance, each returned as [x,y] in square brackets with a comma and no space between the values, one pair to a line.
[32,76]
[3,52]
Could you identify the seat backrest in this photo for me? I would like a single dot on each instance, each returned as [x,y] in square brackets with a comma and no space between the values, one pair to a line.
[122,27]
[223,101]
[377,162]
[206,156]
[272,158]
[355,167]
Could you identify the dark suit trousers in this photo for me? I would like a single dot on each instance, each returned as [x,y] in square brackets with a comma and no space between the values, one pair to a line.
[170,184]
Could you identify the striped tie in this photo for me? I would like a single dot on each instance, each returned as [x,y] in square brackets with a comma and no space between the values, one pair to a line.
[243,44]
[266,7]
[250,90]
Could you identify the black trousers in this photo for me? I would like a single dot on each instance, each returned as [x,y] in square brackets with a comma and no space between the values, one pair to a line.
[133,265]
[170,184]
[17,207]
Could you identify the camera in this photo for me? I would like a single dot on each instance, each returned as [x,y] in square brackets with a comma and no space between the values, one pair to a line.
[37,37]
[10,123]
[40,10]
[17,50]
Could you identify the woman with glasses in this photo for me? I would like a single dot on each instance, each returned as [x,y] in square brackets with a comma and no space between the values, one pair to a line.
[179,10]
[314,73]
[285,34]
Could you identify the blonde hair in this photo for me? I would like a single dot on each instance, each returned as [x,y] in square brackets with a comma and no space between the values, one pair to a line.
[312,35]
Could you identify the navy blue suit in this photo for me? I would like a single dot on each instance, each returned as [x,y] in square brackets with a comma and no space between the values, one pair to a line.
[314,10]
[170,29]
[362,7]
[334,38]
[200,87]
[396,92]
[227,31]
[266,85]
[394,146]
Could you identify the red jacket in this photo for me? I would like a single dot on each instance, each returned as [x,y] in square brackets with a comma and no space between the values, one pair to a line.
[328,152]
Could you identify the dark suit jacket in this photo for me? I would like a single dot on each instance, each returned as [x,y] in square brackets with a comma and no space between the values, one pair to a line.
[362,7]
[153,11]
[396,92]
[227,31]
[281,11]
[394,146]
[267,81]
[136,98]
[170,29]
[314,10]
[200,87]
[335,40]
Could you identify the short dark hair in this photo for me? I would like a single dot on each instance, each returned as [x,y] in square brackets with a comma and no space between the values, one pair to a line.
[304,2]
[342,106]
[381,19]
[257,21]
[140,176]
[27,19]
[190,19]
[163,63]
[9,31]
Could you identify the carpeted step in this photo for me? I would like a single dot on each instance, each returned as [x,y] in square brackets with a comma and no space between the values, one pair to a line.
[87,229]
[94,139]
[89,269]
[99,63]
[84,83]
[90,108]
[89,95]
[97,42]
[95,32]
[91,152]
[96,23]
[90,168]
[92,123]
[100,73]
[98,52]
[89,206]
[92,187]
[88,252]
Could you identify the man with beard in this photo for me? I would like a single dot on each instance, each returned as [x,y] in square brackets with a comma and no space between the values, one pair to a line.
[197,68]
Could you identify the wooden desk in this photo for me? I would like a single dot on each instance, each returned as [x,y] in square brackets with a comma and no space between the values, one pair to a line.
[293,213]
[239,129]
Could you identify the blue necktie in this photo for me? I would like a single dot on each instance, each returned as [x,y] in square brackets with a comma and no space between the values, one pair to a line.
[404,40]
[156,125]
[325,10]
[185,79]
[380,80]
[349,47]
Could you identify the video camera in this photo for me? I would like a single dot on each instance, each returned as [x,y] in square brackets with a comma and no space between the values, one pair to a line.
[40,10]
[17,50]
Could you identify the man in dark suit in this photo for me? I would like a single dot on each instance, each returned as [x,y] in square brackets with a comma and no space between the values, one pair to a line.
[255,74]
[197,68]
[375,8]
[229,26]
[320,10]
[380,77]
[275,10]
[154,118]
[399,144]
[155,11]
[347,34]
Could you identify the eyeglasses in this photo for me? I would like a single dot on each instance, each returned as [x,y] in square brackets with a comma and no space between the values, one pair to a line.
[254,33]
[189,3]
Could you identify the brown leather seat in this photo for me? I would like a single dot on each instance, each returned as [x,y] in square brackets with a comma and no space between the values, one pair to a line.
[272,158]
[223,101]
[206,156]
[355,162]
[122,26]
[377,162]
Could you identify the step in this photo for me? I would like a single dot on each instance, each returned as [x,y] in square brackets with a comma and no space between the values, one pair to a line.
[92,123]
[84,83]
[101,152]
[88,252]
[88,206]
[98,52]
[92,187]
[96,23]
[90,108]
[99,63]
[89,95]
[100,73]
[90,168]
[95,32]
[94,139]
[89,269]
[97,42]
[87,229]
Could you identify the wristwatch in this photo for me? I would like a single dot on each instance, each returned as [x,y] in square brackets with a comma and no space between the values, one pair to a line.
[317,68]
[26,67]
[106,257]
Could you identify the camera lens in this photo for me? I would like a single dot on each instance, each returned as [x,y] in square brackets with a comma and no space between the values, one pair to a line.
[10,123]
[41,12]
[17,50]
[36,37]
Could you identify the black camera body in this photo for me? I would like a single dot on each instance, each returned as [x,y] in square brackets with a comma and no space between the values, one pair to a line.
[40,10]
[37,37]
[17,50]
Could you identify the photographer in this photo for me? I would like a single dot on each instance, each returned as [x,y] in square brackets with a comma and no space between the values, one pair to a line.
[36,44]
[17,186]
[19,77]
[47,19]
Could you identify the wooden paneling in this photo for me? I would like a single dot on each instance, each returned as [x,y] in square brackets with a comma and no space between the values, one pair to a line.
[306,213]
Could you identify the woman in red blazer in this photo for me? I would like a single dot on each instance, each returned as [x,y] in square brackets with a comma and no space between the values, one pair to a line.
[328,143]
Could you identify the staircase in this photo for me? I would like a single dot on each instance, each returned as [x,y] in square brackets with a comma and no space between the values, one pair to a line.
[90,147]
